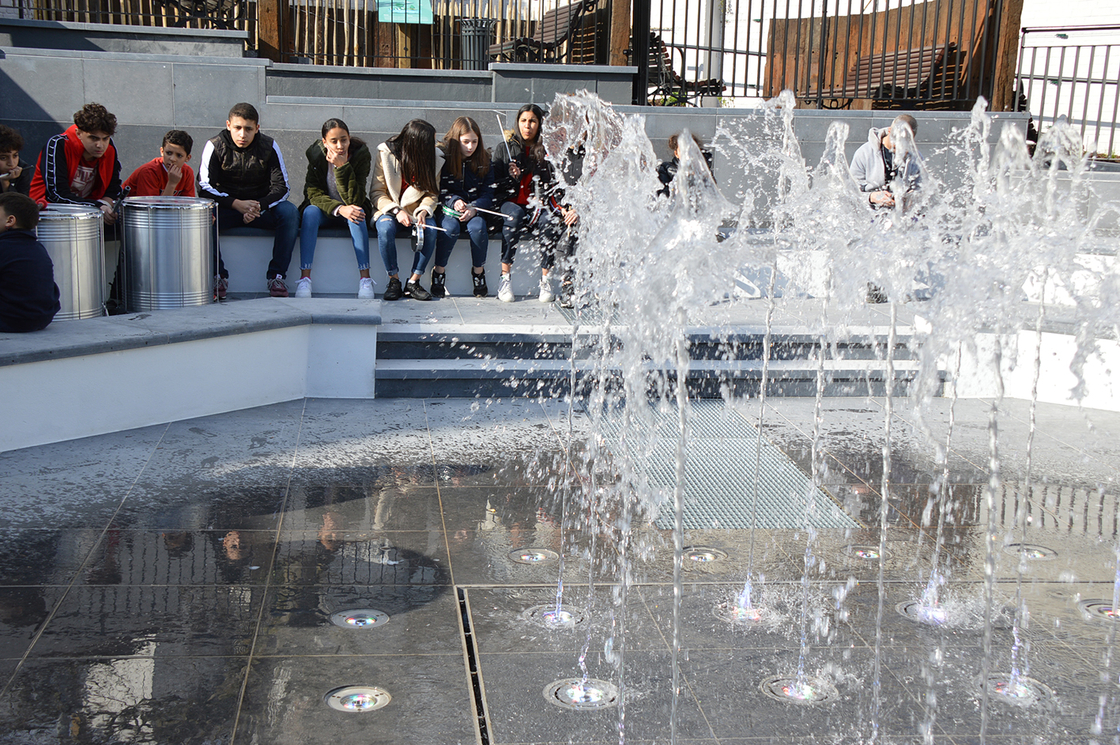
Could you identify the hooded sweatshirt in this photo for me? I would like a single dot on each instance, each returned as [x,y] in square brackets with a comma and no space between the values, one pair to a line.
[869,166]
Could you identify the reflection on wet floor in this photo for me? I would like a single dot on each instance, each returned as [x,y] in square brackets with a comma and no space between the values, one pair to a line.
[184,584]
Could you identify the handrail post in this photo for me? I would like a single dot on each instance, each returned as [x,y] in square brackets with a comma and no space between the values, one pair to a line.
[639,41]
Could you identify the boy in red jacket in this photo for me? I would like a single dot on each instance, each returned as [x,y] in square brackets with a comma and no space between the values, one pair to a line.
[80,166]
[168,175]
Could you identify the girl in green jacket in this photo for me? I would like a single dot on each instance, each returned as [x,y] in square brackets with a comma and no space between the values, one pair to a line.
[335,193]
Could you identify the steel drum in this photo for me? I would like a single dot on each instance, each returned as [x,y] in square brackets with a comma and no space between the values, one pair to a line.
[167,243]
[75,241]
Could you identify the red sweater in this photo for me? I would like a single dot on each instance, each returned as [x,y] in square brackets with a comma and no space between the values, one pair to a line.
[150,179]
[54,172]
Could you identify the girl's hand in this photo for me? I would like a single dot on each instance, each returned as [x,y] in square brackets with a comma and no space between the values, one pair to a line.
[468,213]
[514,170]
[570,216]
[421,218]
[337,159]
[352,212]
[459,206]
[404,219]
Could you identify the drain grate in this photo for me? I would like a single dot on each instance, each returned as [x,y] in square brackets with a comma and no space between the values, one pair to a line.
[720,474]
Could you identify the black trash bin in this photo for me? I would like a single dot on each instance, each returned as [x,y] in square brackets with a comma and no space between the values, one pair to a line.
[475,38]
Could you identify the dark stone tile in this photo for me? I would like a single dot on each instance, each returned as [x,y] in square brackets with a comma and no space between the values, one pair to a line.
[728,687]
[519,712]
[781,606]
[165,621]
[841,555]
[1077,556]
[423,619]
[76,484]
[483,556]
[952,677]
[363,508]
[146,700]
[23,610]
[43,557]
[190,505]
[474,507]
[376,558]
[431,700]
[653,556]
[180,557]
[510,620]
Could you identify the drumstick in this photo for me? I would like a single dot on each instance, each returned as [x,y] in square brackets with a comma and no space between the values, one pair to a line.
[456,213]
[502,132]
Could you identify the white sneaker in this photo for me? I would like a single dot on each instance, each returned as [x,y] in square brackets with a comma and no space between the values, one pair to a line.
[365,289]
[546,290]
[303,287]
[505,289]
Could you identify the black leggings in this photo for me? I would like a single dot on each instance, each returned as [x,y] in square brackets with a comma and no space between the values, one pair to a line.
[550,233]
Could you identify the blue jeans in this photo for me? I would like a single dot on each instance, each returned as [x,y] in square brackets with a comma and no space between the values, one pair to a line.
[313,217]
[476,229]
[387,227]
[282,219]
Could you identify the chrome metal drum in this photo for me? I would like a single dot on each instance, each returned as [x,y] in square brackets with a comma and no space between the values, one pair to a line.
[168,260]
[75,242]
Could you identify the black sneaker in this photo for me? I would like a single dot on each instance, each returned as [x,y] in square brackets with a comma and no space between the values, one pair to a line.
[479,280]
[393,290]
[875,294]
[415,291]
[567,295]
[439,284]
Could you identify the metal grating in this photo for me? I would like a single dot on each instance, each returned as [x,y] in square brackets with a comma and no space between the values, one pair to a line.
[720,473]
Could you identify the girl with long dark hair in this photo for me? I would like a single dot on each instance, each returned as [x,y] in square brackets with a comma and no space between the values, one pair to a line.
[466,184]
[531,206]
[335,193]
[406,192]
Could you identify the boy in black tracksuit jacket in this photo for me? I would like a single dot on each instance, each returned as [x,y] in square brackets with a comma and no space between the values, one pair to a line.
[243,171]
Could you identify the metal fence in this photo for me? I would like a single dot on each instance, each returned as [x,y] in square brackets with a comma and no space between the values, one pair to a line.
[1073,73]
[832,53]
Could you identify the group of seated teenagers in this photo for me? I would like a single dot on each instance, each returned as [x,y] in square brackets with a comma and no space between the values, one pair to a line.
[435,190]
[411,182]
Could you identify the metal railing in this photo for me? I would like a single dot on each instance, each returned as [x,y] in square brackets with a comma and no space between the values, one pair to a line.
[216,14]
[1073,73]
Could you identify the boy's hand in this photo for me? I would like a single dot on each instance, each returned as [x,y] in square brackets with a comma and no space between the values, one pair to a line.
[250,210]
[107,213]
[337,159]
[11,175]
[174,174]
[352,212]
[570,216]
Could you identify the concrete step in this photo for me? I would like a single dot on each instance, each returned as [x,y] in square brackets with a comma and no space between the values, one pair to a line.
[419,362]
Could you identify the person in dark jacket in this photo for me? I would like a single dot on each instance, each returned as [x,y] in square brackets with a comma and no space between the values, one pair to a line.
[466,184]
[528,184]
[28,294]
[667,170]
[80,166]
[334,192]
[243,171]
[15,174]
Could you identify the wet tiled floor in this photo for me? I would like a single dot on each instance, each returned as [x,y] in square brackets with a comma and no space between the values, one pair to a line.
[175,584]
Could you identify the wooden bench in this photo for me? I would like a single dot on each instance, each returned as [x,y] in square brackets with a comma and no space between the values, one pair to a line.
[905,74]
[557,27]
[669,88]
